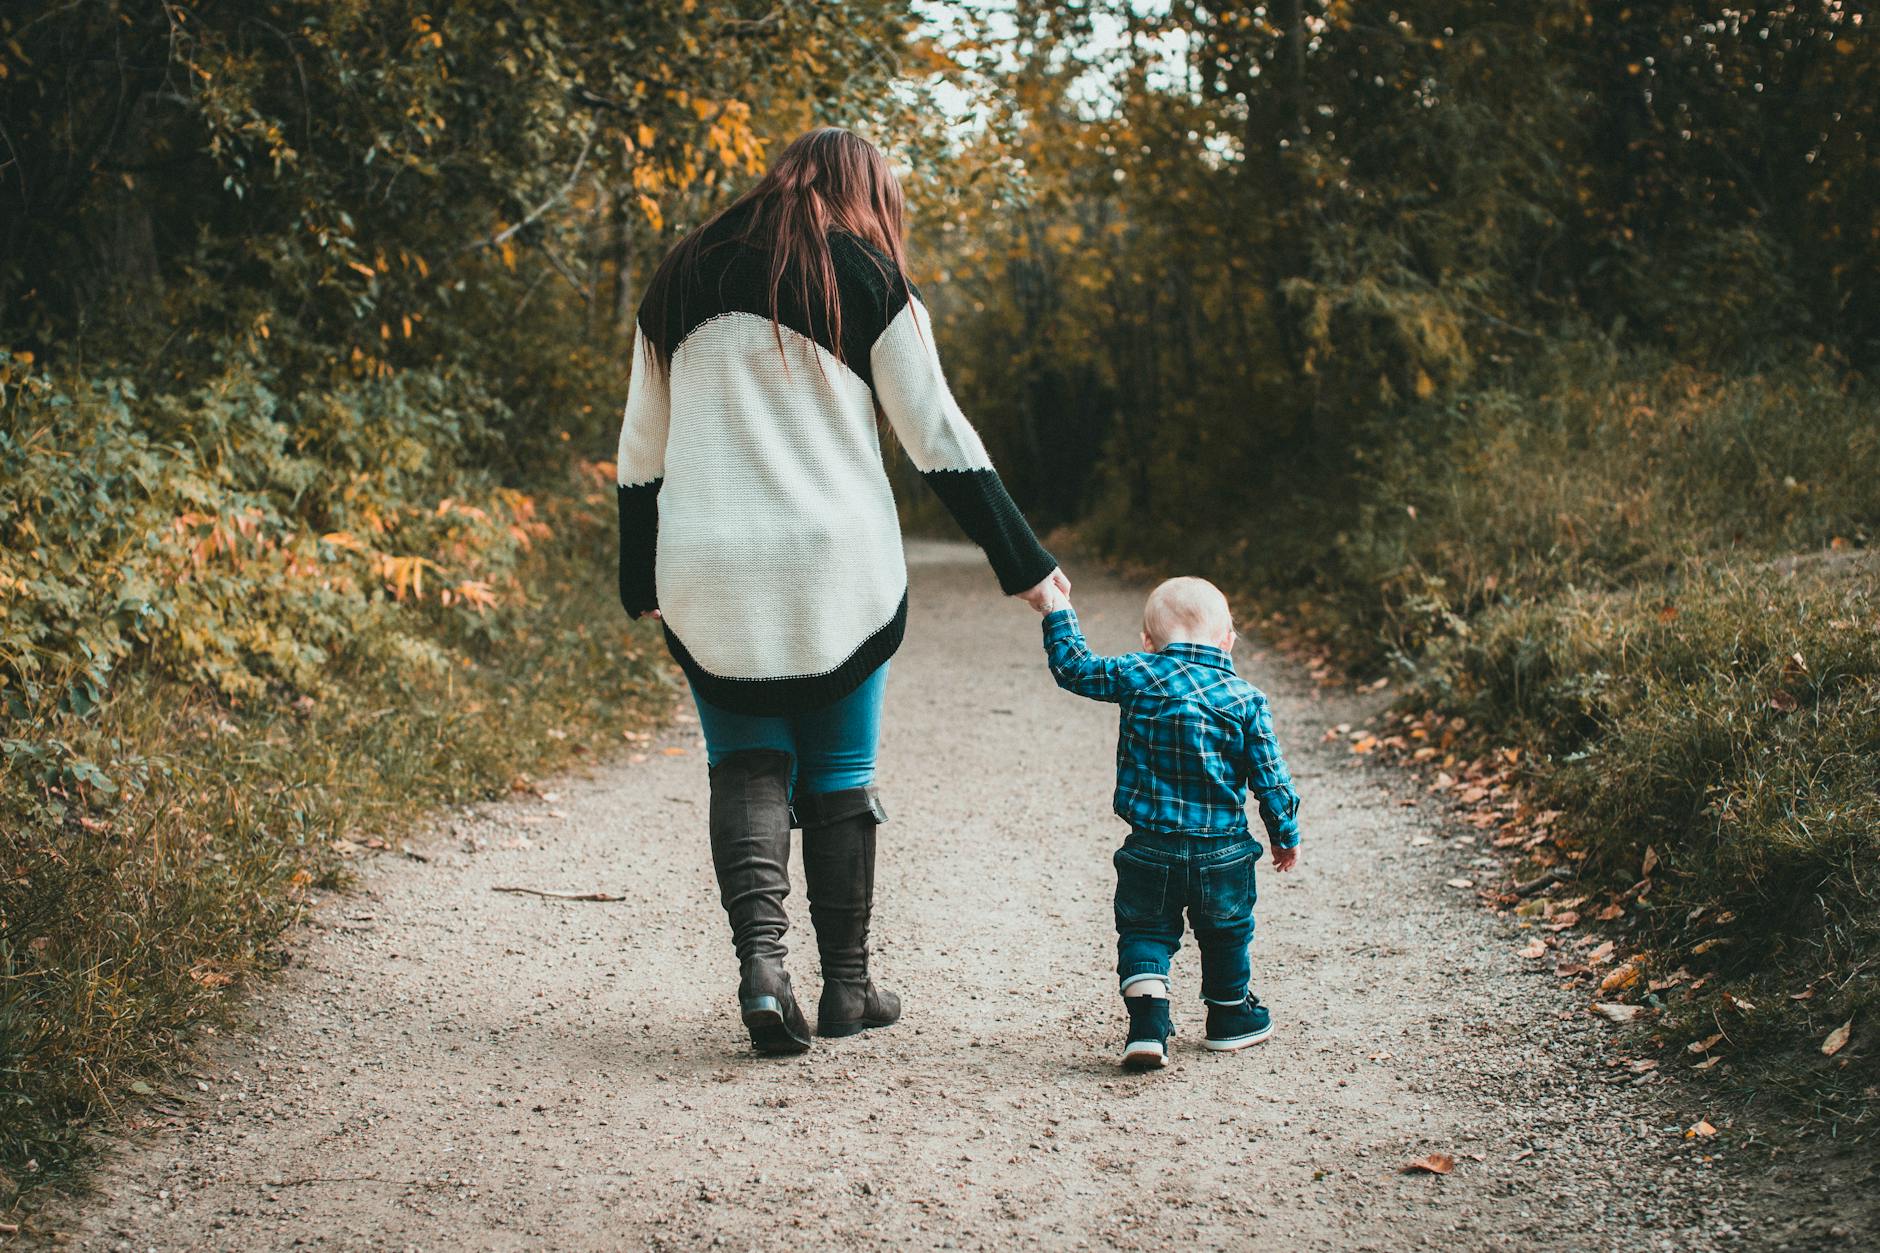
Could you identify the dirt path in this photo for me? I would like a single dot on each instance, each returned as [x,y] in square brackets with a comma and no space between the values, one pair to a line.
[446,1066]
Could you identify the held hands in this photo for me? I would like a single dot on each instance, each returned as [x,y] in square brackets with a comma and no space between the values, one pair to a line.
[1285,859]
[1050,595]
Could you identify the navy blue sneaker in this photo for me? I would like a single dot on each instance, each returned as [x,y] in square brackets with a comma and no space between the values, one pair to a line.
[1149,1030]
[1233,1027]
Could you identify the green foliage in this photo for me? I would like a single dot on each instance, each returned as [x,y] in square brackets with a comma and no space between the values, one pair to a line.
[230,538]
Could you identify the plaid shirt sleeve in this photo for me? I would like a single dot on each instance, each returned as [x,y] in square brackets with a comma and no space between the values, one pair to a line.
[1079,670]
[1268,778]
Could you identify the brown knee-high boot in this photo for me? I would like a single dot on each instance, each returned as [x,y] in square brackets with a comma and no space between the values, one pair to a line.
[839,871]
[750,833]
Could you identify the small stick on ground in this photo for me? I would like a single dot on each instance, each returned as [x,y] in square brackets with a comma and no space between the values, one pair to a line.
[1543,880]
[561,896]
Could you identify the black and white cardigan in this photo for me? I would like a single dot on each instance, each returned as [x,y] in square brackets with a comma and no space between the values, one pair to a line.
[755,511]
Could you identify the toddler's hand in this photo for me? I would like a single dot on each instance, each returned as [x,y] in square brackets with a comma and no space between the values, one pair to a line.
[1051,595]
[1285,859]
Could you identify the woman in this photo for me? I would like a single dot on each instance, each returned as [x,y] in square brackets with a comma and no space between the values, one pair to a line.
[756,519]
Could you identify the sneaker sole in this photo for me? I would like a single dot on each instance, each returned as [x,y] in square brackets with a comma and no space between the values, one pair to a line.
[1237,1042]
[1145,1057]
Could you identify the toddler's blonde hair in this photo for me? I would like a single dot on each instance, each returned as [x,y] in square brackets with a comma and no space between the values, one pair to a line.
[1186,608]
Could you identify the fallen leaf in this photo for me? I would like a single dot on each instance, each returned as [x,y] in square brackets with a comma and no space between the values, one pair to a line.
[1642,1065]
[1837,1039]
[1708,1062]
[1704,1045]
[1700,1128]
[1622,977]
[1460,883]
[1536,947]
[1782,702]
[1434,1164]
[1737,1003]
[1615,1013]
[674,751]
[1365,745]
[1612,913]
[1600,954]
[1651,859]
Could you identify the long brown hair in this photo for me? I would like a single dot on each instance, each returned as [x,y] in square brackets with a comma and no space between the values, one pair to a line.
[826,179]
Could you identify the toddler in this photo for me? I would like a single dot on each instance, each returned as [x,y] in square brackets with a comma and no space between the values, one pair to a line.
[1194,738]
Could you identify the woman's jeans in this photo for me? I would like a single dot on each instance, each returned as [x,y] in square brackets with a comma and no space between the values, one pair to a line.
[831,748]
[1157,877]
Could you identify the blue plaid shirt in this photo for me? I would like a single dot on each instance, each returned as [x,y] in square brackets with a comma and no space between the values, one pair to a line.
[1195,736]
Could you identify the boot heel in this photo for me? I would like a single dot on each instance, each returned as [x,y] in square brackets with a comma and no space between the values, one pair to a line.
[770,1030]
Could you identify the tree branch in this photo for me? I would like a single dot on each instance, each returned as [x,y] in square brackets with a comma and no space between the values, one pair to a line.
[574,176]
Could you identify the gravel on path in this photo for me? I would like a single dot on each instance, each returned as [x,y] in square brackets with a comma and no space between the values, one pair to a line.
[447,1066]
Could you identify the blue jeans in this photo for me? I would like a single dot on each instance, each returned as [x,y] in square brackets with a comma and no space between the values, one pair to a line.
[1157,877]
[831,748]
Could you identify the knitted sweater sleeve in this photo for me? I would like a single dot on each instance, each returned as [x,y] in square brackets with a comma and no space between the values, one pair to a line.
[641,468]
[947,451]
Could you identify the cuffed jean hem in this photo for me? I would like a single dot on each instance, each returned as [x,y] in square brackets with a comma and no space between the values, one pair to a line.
[1132,977]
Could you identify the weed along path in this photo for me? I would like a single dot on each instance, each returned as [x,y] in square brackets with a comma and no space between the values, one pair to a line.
[447,1065]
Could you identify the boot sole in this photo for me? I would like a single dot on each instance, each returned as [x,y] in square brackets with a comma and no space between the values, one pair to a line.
[770,1034]
[837,1030]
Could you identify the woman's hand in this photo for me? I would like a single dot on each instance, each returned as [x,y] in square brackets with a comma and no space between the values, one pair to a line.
[1051,594]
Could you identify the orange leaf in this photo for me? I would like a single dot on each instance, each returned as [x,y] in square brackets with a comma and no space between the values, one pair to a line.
[1622,977]
[1433,1164]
